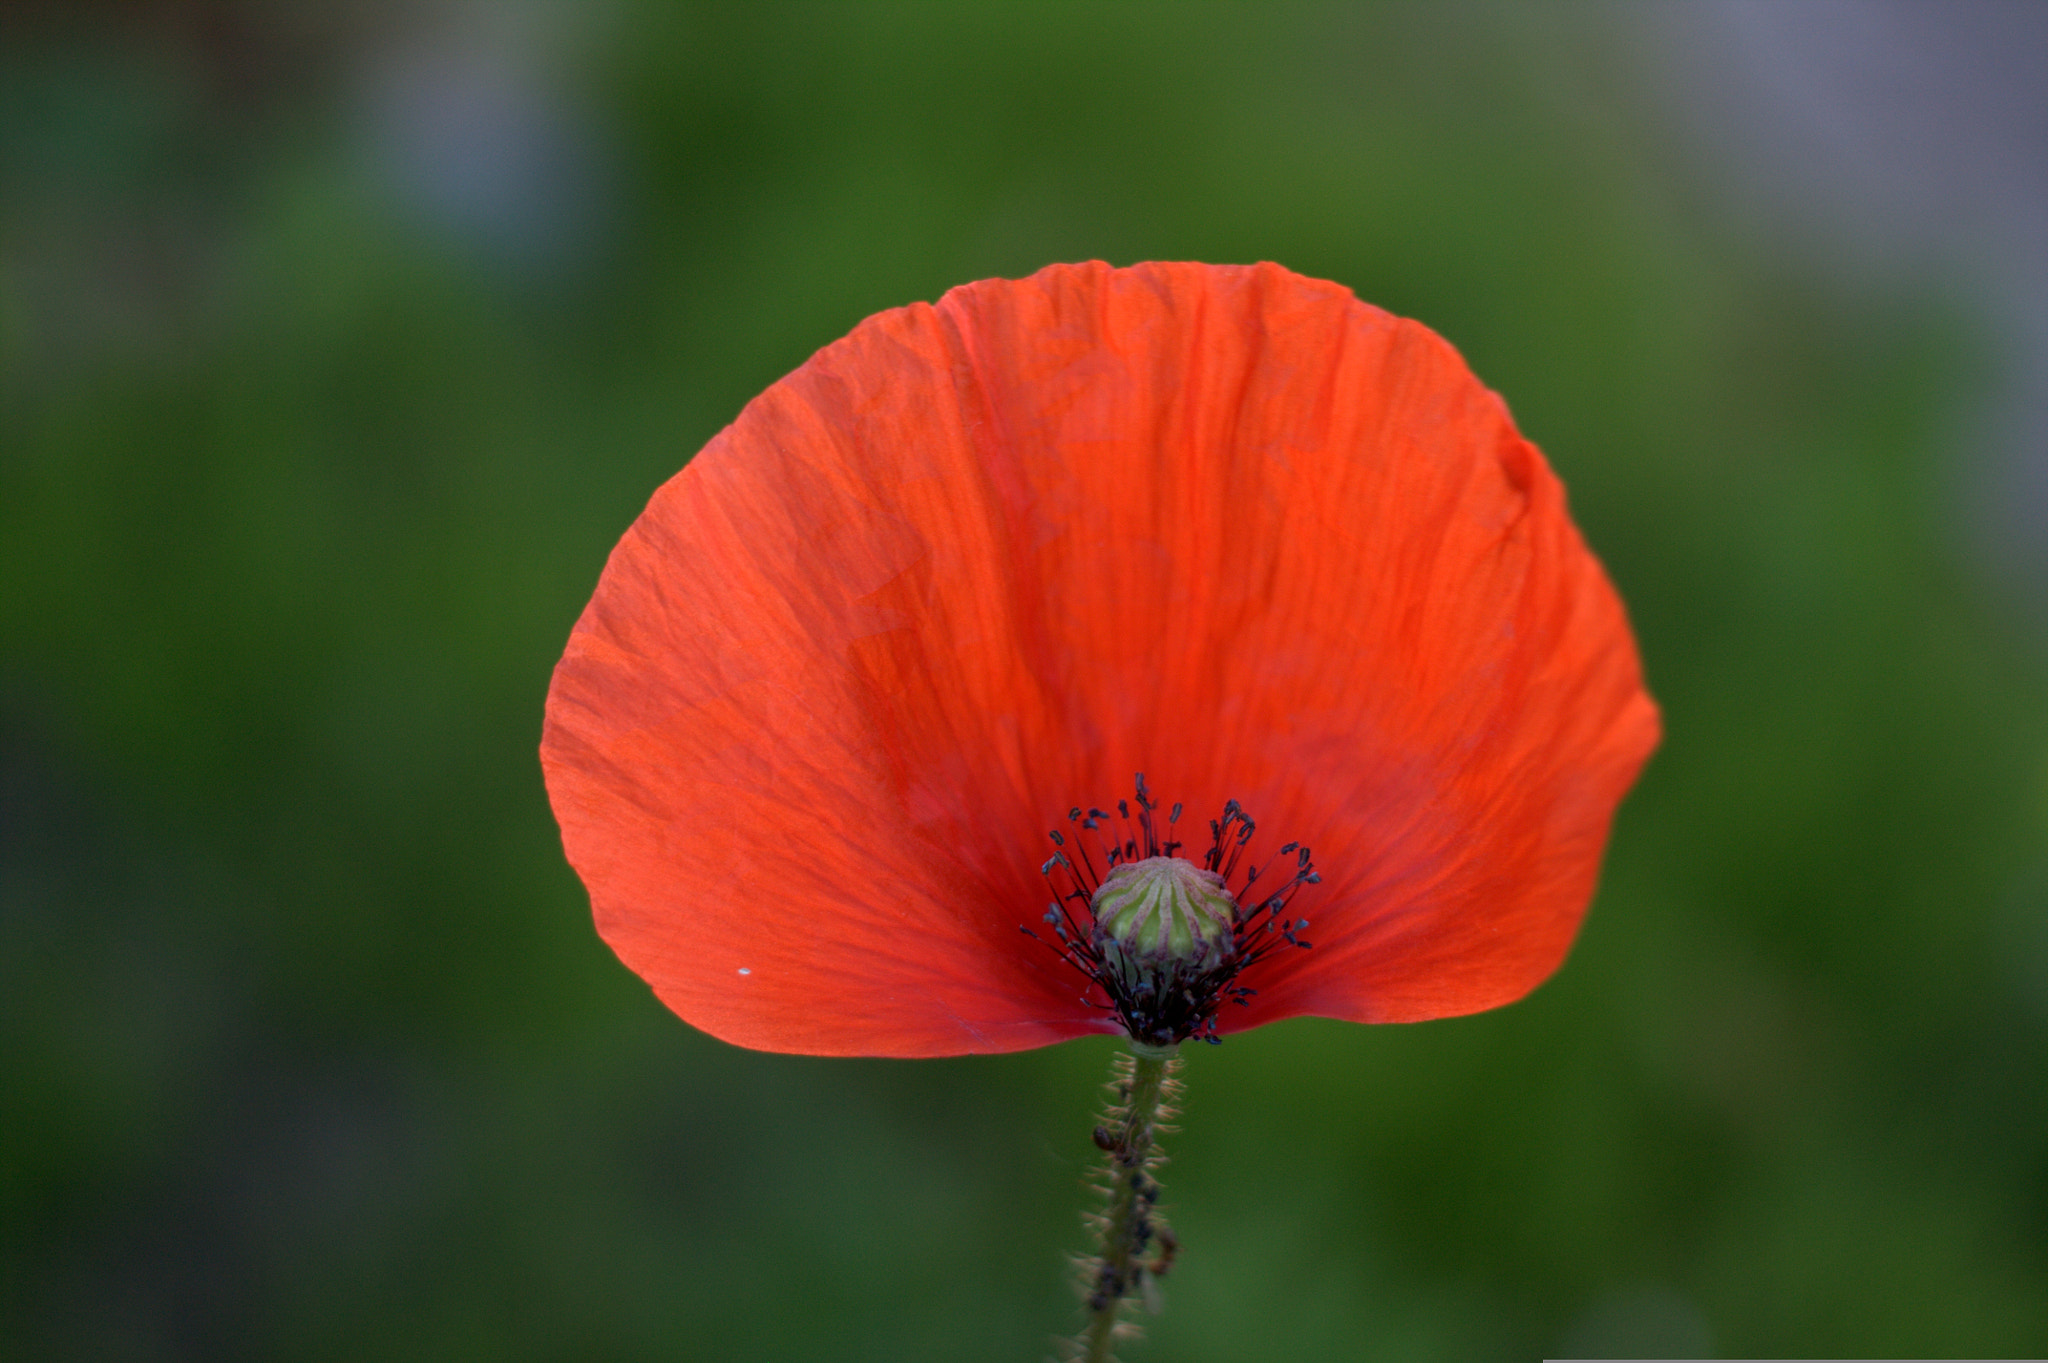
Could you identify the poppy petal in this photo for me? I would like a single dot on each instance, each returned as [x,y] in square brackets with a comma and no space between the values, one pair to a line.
[980,562]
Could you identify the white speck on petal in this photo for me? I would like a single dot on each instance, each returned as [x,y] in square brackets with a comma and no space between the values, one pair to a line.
[745,971]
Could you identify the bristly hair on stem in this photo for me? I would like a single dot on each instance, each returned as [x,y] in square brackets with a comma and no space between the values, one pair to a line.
[1135,1247]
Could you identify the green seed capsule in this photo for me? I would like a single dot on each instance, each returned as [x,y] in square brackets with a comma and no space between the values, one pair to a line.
[1164,908]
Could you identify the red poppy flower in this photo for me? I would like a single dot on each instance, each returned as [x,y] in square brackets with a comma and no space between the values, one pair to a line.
[976,565]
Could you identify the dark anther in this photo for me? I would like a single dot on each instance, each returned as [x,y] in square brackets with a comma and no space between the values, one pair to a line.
[1160,997]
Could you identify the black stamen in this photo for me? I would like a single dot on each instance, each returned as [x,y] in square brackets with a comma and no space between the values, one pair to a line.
[1160,998]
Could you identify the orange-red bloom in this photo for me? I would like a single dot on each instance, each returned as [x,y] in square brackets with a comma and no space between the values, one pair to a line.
[976,564]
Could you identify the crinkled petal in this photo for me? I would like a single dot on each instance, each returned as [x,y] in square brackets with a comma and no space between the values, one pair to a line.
[980,562]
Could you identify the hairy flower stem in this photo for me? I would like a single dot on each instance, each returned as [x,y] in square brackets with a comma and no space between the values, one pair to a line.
[1141,1085]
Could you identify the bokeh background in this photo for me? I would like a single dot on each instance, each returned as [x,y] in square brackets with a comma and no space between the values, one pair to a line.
[340,343]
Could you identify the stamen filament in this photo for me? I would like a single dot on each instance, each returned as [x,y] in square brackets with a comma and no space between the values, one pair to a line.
[1165,973]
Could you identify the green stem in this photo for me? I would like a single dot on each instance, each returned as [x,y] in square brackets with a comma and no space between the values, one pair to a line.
[1129,1224]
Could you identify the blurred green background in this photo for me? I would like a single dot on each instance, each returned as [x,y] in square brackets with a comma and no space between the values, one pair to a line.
[340,344]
